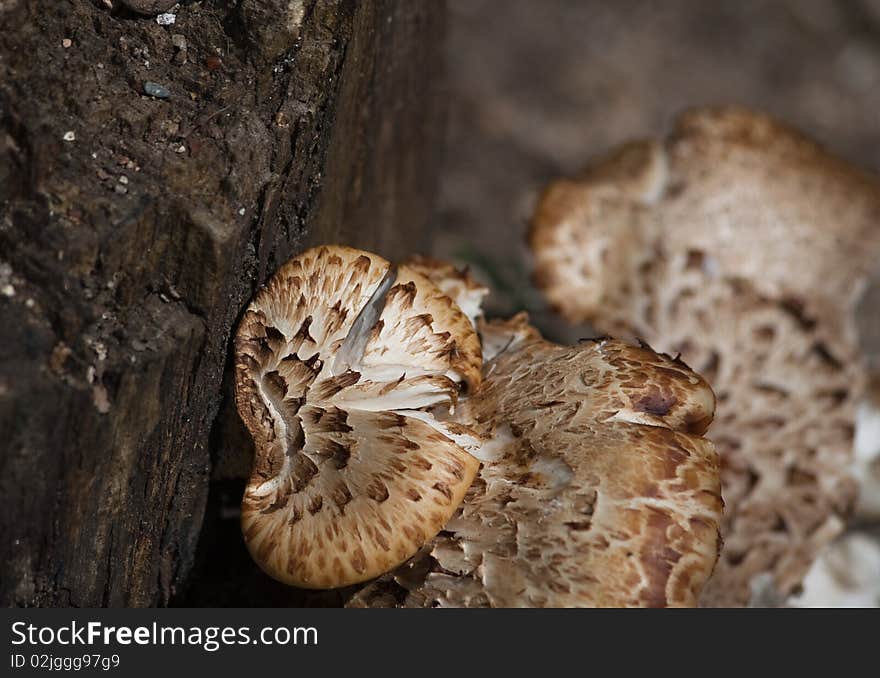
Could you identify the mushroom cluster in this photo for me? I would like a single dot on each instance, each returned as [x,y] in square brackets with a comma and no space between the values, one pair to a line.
[390,422]
[745,247]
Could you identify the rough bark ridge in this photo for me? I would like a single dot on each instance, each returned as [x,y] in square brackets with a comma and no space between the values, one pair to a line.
[134,228]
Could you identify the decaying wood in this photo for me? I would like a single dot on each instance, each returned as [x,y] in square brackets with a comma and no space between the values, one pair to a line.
[135,228]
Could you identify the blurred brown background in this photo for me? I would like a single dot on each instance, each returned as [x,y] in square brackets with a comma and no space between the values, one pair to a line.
[537,88]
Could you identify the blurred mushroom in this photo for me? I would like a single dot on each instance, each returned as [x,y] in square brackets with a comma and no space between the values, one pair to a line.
[866,462]
[844,575]
[745,247]
[344,367]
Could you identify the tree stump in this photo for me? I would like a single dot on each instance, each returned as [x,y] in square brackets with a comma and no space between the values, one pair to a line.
[152,176]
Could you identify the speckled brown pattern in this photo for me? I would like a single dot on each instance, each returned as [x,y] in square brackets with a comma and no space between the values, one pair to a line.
[596,488]
[458,285]
[744,246]
[352,473]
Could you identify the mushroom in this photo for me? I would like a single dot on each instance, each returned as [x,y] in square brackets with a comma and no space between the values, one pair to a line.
[844,575]
[458,285]
[596,488]
[371,406]
[744,246]
[344,368]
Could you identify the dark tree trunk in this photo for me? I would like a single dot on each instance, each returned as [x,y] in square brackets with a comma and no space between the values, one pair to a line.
[133,231]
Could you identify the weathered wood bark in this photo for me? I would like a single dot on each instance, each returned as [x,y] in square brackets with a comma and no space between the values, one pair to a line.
[134,229]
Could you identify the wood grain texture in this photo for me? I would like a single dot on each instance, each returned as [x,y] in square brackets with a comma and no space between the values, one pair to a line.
[128,253]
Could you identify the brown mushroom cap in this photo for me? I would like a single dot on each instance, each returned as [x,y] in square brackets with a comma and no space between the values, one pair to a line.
[340,369]
[744,246]
[458,285]
[596,488]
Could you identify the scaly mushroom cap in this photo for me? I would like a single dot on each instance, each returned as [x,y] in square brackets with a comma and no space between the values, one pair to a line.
[744,246]
[596,488]
[341,365]
[458,285]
